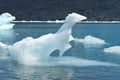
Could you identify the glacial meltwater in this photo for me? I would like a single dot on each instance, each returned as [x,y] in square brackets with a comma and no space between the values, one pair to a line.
[85,60]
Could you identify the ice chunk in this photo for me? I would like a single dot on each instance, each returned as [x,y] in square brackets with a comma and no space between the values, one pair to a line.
[6,18]
[5,21]
[31,50]
[90,40]
[113,49]
[6,26]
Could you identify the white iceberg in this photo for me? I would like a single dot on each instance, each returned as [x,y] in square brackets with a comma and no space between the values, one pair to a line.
[5,21]
[113,49]
[29,50]
[90,40]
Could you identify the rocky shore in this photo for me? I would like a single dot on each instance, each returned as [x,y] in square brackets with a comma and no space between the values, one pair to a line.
[43,10]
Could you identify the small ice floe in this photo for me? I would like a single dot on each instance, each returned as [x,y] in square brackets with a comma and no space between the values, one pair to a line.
[59,21]
[113,49]
[90,40]
[5,21]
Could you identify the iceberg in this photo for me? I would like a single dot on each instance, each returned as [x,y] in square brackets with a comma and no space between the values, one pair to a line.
[31,50]
[113,49]
[90,40]
[5,21]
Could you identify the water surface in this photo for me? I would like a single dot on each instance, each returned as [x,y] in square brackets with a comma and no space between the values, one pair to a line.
[108,32]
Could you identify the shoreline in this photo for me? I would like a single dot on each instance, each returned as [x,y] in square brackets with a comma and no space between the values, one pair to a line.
[63,22]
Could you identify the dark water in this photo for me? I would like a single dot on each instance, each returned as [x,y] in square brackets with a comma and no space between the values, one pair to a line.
[108,32]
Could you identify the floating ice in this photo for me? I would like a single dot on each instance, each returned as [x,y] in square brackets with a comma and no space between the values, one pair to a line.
[56,21]
[113,49]
[59,21]
[29,50]
[6,27]
[90,40]
[5,21]
[37,51]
